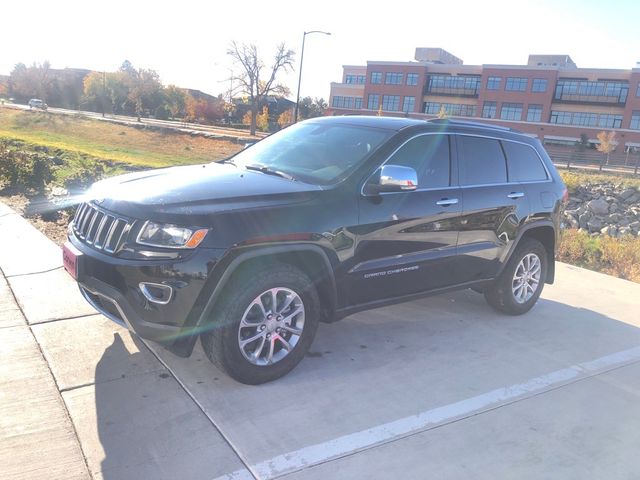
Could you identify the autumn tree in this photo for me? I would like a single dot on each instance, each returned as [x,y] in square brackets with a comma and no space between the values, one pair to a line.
[175,98]
[34,81]
[95,91]
[262,119]
[256,80]
[608,144]
[442,114]
[285,118]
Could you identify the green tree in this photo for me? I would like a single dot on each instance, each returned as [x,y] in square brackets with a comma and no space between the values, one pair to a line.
[579,148]
[96,95]
[256,80]
[312,107]
[145,89]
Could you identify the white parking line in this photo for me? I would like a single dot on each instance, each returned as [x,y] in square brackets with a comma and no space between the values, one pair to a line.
[404,427]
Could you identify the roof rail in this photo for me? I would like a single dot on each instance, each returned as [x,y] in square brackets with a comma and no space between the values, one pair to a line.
[466,123]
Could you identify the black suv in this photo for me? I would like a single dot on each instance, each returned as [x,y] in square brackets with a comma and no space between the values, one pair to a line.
[320,220]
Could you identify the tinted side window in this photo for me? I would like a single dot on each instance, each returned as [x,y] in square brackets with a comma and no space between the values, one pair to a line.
[429,156]
[523,163]
[481,161]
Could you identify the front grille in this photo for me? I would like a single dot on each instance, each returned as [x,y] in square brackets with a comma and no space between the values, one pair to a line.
[102,230]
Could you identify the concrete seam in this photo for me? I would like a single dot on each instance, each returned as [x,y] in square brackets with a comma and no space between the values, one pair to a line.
[235,449]
[53,377]
[73,317]
[33,273]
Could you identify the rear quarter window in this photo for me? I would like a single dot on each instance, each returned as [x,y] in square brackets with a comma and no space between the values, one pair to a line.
[523,163]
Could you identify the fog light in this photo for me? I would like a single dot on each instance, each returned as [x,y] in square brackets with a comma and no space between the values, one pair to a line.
[156,292]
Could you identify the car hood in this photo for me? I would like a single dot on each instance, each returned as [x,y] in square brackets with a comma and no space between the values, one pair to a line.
[195,190]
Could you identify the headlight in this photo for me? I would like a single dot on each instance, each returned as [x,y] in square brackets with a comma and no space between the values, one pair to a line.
[170,236]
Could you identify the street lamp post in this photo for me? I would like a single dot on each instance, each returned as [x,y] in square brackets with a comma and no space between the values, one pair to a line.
[295,115]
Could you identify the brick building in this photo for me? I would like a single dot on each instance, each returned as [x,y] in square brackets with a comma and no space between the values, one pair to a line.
[549,97]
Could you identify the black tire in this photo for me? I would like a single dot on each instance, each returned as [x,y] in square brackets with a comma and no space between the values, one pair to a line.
[221,342]
[500,294]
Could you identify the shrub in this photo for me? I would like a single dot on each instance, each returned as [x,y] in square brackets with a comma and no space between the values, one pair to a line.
[615,256]
[32,170]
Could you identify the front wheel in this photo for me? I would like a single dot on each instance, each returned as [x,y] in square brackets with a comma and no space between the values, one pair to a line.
[520,284]
[264,324]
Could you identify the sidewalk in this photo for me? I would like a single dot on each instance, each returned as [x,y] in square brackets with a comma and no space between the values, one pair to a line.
[80,397]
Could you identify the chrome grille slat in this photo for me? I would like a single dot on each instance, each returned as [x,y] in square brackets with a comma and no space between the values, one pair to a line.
[100,229]
[89,235]
[96,238]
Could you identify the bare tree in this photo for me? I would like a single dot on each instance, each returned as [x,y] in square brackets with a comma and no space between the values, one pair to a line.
[252,82]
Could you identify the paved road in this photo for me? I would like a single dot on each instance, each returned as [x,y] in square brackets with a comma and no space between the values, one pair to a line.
[437,388]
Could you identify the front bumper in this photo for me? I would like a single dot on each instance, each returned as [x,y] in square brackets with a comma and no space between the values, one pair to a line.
[112,285]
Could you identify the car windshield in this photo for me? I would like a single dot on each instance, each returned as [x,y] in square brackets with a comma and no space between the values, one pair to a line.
[314,152]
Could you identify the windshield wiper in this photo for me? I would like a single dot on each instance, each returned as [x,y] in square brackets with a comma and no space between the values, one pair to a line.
[268,171]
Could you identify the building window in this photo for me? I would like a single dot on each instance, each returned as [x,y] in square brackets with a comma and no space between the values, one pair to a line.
[511,111]
[534,113]
[453,109]
[635,120]
[586,119]
[638,90]
[358,103]
[585,91]
[412,79]
[391,103]
[374,102]
[489,110]
[393,78]
[539,85]
[409,104]
[516,84]
[493,83]
[355,79]
[376,77]
[343,102]
[453,85]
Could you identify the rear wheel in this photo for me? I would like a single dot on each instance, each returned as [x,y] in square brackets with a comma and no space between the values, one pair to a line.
[264,324]
[520,284]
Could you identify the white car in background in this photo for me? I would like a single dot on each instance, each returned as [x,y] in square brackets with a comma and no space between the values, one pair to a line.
[37,103]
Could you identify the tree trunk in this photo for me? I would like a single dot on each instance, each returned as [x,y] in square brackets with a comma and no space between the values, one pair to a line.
[254,115]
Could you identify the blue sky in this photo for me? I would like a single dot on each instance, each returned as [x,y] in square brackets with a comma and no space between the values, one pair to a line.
[186,41]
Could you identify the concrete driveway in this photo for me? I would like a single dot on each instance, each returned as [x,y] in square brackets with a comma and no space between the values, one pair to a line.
[438,388]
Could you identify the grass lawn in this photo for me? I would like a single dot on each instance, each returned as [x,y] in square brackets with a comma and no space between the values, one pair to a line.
[108,141]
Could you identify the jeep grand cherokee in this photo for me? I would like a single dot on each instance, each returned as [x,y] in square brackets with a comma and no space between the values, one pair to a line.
[323,219]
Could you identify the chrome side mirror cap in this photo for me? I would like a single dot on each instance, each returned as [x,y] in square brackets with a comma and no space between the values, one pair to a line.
[392,178]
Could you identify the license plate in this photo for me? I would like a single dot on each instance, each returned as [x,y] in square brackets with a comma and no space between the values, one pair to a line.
[70,259]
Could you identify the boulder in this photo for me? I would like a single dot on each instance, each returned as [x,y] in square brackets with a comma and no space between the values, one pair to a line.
[609,230]
[584,219]
[598,206]
[595,224]
[570,220]
[629,192]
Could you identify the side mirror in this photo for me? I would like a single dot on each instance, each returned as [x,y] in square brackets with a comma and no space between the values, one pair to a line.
[392,178]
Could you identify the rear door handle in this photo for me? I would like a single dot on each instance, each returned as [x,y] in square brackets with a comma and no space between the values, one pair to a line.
[445,202]
[516,195]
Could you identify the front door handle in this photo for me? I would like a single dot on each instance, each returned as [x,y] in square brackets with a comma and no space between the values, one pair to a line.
[445,202]
[516,195]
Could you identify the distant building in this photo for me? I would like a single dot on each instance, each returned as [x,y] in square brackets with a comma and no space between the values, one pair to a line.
[549,97]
